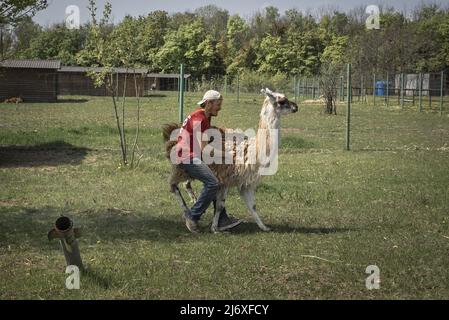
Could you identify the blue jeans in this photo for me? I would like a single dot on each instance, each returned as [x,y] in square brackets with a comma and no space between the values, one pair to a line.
[201,171]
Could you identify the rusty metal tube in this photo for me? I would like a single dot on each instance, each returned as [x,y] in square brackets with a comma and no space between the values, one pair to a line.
[67,235]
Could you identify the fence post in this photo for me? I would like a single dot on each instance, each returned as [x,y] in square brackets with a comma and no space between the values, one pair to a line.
[313,88]
[226,84]
[420,92]
[441,93]
[361,89]
[374,90]
[238,86]
[181,94]
[388,89]
[348,110]
[295,87]
[342,90]
[402,90]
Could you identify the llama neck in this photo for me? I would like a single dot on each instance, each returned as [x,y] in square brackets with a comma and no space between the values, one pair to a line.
[269,121]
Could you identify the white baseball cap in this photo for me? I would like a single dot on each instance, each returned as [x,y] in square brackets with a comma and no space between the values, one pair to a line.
[210,95]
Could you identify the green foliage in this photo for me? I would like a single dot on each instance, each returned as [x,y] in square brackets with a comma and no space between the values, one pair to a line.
[385,203]
[335,52]
[253,81]
[210,42]
[56,42]
[12,11]
[189,45]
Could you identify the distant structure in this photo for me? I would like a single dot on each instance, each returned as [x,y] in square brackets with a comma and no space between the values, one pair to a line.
[44,80]
[30,80]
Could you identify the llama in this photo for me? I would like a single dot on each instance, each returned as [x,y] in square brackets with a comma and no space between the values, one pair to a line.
[15,100]
[245,176]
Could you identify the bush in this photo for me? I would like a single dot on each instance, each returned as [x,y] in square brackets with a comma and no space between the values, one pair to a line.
[252,81]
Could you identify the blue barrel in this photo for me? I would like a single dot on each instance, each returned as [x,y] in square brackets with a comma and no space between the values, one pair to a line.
[380,88]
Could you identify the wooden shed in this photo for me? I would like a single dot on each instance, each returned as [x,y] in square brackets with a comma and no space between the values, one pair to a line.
[31,80]
[76,81]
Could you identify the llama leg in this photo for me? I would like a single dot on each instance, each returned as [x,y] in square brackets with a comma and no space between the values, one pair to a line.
[247,194]
[179,197]
[189,189]
[218,207]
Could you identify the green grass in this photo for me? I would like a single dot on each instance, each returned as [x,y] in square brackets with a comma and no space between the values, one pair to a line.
[384,203]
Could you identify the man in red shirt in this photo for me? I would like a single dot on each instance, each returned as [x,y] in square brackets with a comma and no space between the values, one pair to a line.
[189,148]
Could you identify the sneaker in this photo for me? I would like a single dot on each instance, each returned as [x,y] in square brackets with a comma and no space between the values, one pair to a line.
[191,224]
[226,222]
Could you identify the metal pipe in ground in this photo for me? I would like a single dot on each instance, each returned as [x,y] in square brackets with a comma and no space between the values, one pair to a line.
[67,235]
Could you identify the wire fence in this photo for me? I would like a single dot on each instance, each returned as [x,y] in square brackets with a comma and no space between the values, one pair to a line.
[423,91]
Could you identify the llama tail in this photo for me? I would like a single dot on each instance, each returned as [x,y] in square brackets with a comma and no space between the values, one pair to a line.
[167,130]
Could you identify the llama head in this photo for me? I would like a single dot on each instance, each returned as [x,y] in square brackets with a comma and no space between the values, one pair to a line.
[280,103]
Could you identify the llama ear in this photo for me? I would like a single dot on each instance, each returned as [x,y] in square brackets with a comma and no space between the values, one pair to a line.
[268,93]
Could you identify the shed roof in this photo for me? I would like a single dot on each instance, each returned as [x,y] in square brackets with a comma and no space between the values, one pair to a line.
[31,64]
[85,69]
[76,69]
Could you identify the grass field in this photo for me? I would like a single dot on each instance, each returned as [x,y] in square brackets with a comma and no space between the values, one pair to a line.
[333,212]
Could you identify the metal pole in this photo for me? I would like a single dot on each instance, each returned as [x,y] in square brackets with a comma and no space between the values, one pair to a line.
[361,88]
[295,87]
[238,86]
[226,84]
[388,89]
[374,91]
[402,90]
[342,89]
[441,93]
[420,92]
[181,94]
[348,110]
[67,235]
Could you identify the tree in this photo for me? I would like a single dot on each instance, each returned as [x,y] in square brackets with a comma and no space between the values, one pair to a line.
[237,44]
[150,38]
[57,42]
[189,45]
[24,32]
[108,50]
[12,12]
[214,19]
[329,74]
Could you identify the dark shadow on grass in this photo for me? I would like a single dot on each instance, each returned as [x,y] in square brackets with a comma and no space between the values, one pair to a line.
[29,226]
[72,100]
[295,142]
[155,95]
[20,225]
[96,278]
[47,154]
[251,227]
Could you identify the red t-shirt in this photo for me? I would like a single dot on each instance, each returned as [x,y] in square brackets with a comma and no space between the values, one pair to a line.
[189,138]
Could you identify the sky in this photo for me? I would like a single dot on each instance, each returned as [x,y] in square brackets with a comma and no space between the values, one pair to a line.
[55,12]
